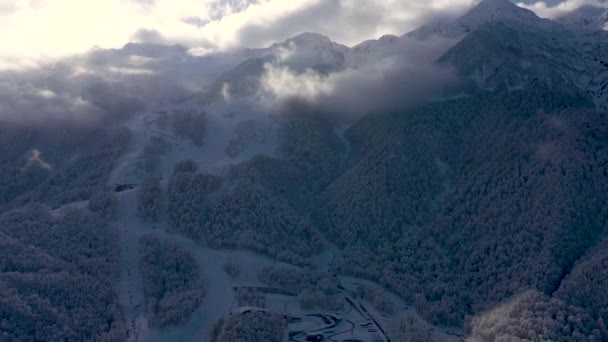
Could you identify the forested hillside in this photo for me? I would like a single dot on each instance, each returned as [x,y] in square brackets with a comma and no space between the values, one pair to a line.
[249,327]
[462,166]
[57,276]
[463,204]
[58,269]
[457,206]
[57,164]
[172,282]
[262,204]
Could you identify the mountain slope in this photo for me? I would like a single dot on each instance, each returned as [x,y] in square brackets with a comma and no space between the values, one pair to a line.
[510,48]
[297,54]
[486,11]
[501,56]
[467,202]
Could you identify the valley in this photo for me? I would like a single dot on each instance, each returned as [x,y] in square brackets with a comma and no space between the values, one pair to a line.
[355,322]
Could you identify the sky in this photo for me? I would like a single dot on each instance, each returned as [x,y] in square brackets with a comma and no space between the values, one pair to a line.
[35,30]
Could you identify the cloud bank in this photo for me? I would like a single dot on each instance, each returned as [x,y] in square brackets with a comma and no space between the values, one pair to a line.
[398,81]
[555,9]
[36,30]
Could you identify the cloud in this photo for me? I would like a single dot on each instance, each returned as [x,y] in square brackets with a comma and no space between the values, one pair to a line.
[555,10]
[34,31]
[395,82]
[195,21]
[105,85]
[148,36]
[75,80]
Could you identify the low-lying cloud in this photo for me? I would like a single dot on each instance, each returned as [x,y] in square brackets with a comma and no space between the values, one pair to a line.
[34,31]
[393,82]
[105,85]
[554,10]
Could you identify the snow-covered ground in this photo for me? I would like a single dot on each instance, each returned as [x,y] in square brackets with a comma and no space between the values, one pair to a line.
[219,286]
[219,297]
[235,132]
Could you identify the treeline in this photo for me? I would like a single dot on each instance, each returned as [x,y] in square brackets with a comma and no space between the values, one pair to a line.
[187,193]
[249,327]
[248,216]
[232,269]
[244,296]
[245,214]
[377,297]
[315,289]
[58,275]
[585,286]
[172,282]
[411,328]
[149,207]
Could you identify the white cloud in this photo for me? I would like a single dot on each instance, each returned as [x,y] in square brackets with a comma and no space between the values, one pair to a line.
[36,30]
[542,9]
[382,85]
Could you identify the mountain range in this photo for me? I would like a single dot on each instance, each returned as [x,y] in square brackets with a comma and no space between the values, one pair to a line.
[496,45]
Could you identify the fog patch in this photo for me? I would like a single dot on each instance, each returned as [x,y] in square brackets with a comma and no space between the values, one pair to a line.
[34,158]
[106,85]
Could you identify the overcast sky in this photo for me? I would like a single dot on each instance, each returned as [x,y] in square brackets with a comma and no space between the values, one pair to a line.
[33,30]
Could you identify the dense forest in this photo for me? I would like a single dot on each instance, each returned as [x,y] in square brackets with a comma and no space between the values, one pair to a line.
[315,289]
[56,164]
[249,327]
[262,204]
[57,274]
[58,268]
[508,192]
[488,212]
[188,195]
[457,206]
[149,201]
[533,316]
[243,213]
[172,282]
[411,328]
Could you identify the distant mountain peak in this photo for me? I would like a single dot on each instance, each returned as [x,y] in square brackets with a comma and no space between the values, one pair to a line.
[498,10]
[496,4]
[309,38]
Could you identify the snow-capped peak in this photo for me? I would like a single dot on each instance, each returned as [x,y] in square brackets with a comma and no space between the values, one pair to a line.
[498,10]
[309,50]
[308,39]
